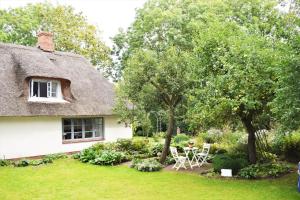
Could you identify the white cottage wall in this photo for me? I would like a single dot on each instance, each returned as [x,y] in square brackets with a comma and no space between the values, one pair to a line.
[34,136]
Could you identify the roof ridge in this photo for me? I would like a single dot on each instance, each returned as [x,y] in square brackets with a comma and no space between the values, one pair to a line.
[30,48]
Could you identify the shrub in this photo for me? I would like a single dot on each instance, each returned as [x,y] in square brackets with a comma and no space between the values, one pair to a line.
[76,156]
[36,162]
[47,159]
[124,145]
[170,160]
[108,157]
[264,170]
[87,155]
[4,163]
[22,163]
[140,145]
[291,147]
[179,138]
[147,165]
[99,146]
[226,161]
[156,149]
[56,156]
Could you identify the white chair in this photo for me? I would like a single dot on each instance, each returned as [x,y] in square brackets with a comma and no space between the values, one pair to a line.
[180,160]
[202,156]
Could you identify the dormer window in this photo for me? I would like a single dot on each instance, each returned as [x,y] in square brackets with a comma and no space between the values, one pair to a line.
[45,90]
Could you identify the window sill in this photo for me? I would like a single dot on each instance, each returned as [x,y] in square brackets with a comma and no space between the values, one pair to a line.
[46,100]
[82,140]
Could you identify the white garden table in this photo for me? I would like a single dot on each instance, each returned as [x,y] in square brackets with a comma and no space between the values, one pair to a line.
[194,150]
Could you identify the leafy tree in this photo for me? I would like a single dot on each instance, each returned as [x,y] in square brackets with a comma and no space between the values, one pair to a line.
[239,54]
[157,59]
[286,105]
[71,30]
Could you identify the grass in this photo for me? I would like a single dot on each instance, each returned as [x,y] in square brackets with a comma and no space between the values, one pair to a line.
[70,179]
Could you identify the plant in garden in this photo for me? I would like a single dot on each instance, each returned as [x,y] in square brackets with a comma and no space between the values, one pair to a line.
[264,170]
[107,157]
[4,162]
[146,165]
[22,163]
[227,161]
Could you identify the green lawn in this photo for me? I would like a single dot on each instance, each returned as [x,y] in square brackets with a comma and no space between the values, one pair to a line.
[70,179]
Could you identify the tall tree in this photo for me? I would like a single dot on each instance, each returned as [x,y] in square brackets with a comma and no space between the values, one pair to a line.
[157,59]
[239,54]
[71,30]
[286,105]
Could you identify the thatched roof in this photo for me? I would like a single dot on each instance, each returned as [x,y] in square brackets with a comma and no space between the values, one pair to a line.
[92,93]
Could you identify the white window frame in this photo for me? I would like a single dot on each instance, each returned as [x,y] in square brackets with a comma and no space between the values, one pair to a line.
[50,97]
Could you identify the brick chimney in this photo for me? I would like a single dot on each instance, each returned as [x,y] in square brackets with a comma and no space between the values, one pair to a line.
[45,41]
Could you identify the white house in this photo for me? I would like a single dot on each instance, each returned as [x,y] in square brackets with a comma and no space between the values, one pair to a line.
[53,102]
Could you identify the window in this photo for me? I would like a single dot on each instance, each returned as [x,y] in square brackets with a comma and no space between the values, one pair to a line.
[83,128]
[44,88]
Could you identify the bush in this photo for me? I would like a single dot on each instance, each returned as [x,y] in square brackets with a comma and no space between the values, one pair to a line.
[140,145]
[179,138]
[227,161]
[158,137]
[107,157]
[124,145]
[4,163]
[264,170]
[87,155]
[56,156]
[47,159]
[22,163]
[36,162]
[156,149]
[291,147]
[147,165]
[170,160]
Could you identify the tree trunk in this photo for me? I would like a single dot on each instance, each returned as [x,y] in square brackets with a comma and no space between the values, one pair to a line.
[171,123]
[251,140]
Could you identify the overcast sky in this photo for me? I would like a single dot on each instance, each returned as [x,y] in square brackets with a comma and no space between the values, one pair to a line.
[108,15]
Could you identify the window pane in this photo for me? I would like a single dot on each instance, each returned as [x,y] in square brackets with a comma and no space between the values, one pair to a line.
[54,89]
[35,89]
[88,125]
[77,135]
[67,136]
[43,89]
[89,134]
[67,122]
[67,128]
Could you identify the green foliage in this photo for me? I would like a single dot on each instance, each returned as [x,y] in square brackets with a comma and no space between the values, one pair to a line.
[156,149]
[4,163]
[71,30]
[38,162]
[124,145]
[56,156]
[179,138]
[147,165]
[140,145]
[22,163]
[291,147]
[227,161]
[108,157]
[264,170]
[88,155]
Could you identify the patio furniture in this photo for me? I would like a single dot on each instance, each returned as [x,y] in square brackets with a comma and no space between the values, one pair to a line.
[202,156]
[180,160]
[194,161]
